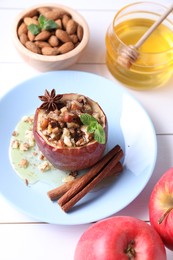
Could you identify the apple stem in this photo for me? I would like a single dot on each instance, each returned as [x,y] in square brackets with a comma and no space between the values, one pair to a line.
[164,215]
[130,251]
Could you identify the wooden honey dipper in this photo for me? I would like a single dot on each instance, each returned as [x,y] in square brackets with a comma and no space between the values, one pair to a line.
[128,55]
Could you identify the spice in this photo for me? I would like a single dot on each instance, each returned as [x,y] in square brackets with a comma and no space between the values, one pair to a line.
[50,100]
[75,190]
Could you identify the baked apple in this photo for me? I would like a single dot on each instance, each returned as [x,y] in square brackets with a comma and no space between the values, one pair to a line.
[70,130]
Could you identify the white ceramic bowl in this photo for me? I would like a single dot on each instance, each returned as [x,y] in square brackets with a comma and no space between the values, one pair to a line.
[55,62]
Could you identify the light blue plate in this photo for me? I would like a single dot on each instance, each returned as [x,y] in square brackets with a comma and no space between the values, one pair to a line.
[129,126]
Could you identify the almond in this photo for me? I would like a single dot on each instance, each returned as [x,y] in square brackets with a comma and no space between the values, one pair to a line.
[23,38]
[61,11]
[43,36]
[65,20]
[62,35]
[49,51]
[42,44]
[54,14]
[32,47]
[53,41]
[66,47]
[59,23]
[31,36]
[22,29]
[71,27]
[74,38]
[79,32]
[32,13]
[43,10]
[29,20]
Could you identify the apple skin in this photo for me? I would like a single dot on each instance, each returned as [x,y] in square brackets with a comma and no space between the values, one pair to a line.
[108,239]
[75,158]
[161,200]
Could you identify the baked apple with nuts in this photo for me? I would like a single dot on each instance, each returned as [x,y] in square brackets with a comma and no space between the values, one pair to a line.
[70,130]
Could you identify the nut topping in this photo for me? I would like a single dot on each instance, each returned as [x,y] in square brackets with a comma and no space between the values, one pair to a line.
[59,120]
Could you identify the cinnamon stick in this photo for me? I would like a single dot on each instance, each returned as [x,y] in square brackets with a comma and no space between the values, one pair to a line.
[94,170]
[54,194]
[88,181]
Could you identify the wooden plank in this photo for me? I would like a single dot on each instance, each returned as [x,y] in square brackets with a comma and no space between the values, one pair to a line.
[41,241]
[77,4]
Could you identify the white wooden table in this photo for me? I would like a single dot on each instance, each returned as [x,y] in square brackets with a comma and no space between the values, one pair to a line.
[23,238]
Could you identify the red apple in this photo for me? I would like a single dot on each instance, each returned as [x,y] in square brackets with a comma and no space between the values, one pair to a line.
[160,208]
[71,158]
[120,238]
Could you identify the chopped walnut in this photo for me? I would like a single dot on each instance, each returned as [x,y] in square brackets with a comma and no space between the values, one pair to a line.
[28,119]
[26,182]
[67,141]
[14,133]
[88,109]
[75,105]
[53,115]
[80,142]
[23,163]
[42,157]
[72,125]
[96,116]
[82,99]
[30,137]
[31,142]
[24,147]
[63,128]
[68,178]
[15,144]
[45,166]
[63,110]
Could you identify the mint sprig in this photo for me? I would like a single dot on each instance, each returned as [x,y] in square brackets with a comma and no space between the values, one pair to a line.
[94,127]
[46,24]
[34,29]
[43,24]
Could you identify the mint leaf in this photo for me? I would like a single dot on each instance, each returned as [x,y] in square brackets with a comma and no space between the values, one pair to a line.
[34,29]
[49,25]
[93,126]
[87,119]
[46,24]
[41,20]
[43,24]
[99,134]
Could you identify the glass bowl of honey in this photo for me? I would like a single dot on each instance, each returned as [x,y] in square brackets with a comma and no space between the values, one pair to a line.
[154,66]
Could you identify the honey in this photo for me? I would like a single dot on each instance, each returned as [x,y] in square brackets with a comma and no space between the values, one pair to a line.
[155,63]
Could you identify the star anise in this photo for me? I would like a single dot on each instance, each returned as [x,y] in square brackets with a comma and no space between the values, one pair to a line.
[50,100]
